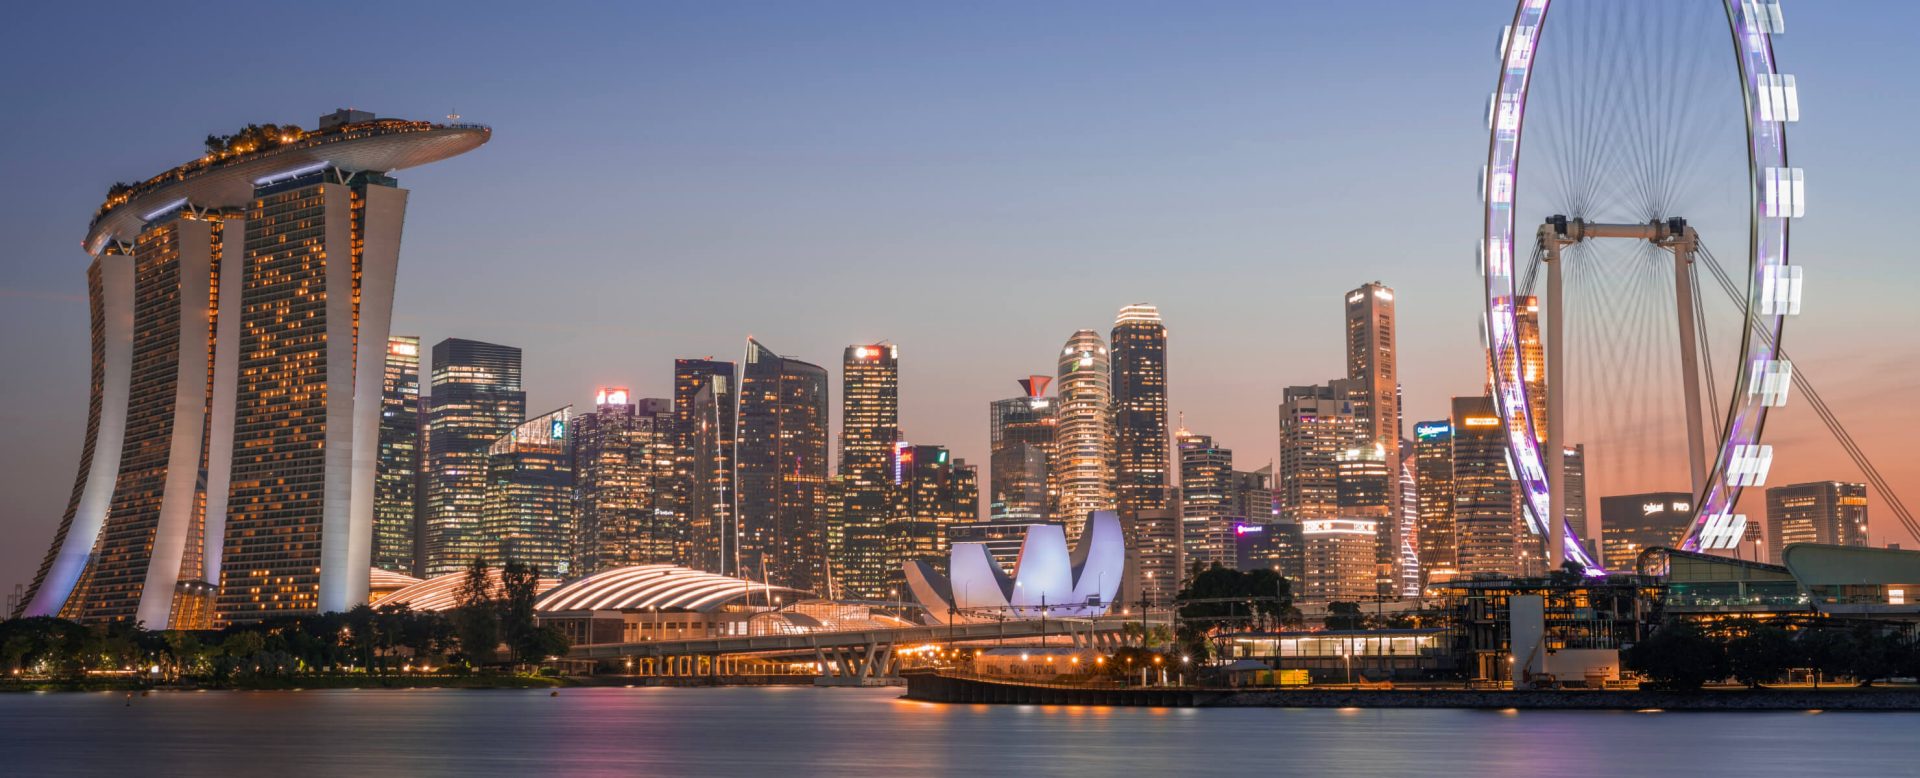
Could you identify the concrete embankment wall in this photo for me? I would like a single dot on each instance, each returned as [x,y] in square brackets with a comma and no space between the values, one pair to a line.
[938,688]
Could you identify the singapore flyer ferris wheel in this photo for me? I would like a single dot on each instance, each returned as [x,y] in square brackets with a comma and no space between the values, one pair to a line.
[1628,161]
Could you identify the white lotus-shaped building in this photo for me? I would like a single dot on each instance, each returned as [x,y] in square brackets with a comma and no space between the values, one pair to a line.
[1048,579]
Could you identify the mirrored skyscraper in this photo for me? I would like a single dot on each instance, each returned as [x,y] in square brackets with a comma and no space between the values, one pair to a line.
[1142,479]
[396,482]
[475,399]
[782,470]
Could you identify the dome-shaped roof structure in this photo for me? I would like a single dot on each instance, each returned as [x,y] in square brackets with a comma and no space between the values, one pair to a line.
[663,587]
[381,583]
[442,593]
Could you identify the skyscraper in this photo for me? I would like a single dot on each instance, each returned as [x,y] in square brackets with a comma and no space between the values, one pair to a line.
[869,428]
[1832,512]
[1633,523]
[782,470]
[528,513]
[224,444]
[705,409]
[1433,467]
[1316,425]
[396,503]
[475,400]
[1021,433]
[1139,363]
[1207,514]
[1575,482]
[1371,366]
[624,464]
[1339,560]
[935,493]
[1483,510]
[1083,450]
[1405,573]
[1252,495]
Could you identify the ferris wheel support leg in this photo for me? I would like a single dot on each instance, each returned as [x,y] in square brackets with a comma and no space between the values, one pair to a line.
[1554,423]
[1682,246]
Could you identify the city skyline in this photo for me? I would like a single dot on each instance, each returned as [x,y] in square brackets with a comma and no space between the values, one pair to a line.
[952,374]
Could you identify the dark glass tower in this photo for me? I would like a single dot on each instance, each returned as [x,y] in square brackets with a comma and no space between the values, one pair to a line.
[1021,434]
[869,428]
[476,399]
[935,493]
[396,481]
[1140,410]
[705,411]
[782,470]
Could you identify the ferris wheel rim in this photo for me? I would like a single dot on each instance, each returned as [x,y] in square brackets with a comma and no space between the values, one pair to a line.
[1768,247]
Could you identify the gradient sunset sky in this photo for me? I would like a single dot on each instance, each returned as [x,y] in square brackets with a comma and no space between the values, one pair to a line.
[970,181]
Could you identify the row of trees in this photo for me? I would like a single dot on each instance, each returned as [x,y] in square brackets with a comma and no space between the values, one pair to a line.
[381,639]
[1685,655]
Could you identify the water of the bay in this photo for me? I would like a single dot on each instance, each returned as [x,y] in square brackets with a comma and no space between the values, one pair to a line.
[859,732]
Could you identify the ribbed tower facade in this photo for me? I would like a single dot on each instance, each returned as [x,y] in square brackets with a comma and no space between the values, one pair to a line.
[228,469]
[1142,480]
[782,470]
[869,431]
[1083,450]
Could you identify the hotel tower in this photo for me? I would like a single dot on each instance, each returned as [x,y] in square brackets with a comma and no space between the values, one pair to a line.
[240,306]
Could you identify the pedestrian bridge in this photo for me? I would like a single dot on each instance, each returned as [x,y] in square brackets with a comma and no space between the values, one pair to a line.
[852,657]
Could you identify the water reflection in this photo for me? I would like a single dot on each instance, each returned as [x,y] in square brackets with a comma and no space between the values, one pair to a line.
[860,732]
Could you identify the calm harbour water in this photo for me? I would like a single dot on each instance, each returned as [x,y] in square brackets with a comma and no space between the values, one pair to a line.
[853,732]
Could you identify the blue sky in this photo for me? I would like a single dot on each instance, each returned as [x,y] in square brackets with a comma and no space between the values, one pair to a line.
[971,181]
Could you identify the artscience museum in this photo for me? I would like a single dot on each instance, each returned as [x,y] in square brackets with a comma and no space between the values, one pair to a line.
[1049,580]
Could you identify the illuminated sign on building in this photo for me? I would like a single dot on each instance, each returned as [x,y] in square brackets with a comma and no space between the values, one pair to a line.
[559,429]
[1431,431]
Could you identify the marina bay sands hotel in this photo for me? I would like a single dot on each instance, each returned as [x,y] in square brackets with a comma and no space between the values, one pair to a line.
[240,310]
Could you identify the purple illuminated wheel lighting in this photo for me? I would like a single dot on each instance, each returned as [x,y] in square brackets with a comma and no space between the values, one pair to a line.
[1775,196]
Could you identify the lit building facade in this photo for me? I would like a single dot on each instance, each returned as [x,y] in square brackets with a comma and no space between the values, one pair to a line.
[527,516]
[224,447]
[1207,506]
[705,405]
[1829,512]
[1277,546]
[936,493]
[1317,424]
[1483,492]
[1338,557]
[869,432]
[475,399]
[623,464]
[1633,523]
[1021,434]
[781,468]
[1372,367]
[1156,559]
[1433,479]
[396,503]
[1139,363]
[1083,458]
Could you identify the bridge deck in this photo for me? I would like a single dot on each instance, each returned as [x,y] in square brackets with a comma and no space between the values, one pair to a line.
[806,643]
